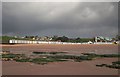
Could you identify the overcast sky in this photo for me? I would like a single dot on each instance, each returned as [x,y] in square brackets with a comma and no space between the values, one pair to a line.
[72,19]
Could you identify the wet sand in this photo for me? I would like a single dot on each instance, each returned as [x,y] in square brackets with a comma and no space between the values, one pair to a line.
[98,49]
[60,68]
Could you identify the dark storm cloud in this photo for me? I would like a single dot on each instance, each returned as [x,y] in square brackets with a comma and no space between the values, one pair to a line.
[71,19]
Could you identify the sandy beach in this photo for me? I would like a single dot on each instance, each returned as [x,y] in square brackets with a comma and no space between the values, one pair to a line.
[60,68]
[100,49]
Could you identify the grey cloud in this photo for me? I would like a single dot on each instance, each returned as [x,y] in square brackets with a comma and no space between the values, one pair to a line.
[76,19]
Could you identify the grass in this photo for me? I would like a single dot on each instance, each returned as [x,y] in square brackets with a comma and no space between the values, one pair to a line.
[8,57]
[39,60]
[115,65]
[101,65]
[48,53]
[62,57]
[72,57]
[47,59]
[56,58]
[12,55]
[23,60]
[93,55]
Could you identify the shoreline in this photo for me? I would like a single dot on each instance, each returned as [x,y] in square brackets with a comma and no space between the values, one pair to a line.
[51,44]
[61,68]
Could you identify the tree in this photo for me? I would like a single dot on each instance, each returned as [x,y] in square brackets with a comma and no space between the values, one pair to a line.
[63,39]
[78,39]
[117,37]
[54,38]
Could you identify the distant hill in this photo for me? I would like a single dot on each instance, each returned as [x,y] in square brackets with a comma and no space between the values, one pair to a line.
[5,39]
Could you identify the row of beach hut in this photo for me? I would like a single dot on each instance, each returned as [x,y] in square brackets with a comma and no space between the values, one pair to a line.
[50,42]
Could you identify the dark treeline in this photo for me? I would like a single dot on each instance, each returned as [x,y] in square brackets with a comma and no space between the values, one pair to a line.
[5,39]
[73,40]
